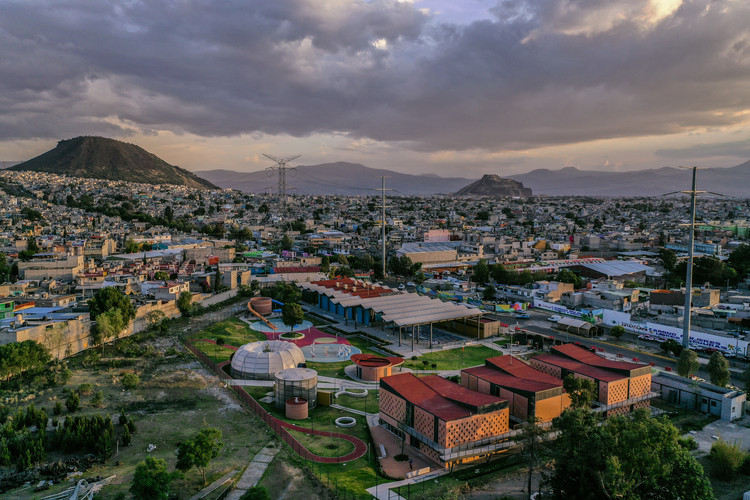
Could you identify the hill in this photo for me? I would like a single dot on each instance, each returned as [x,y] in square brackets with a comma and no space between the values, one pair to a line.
[731,181]
[336,178]
[494,185]
[102,158]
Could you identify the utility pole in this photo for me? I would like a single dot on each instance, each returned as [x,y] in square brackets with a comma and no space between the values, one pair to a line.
[281,166]
[382,216]
[689,277]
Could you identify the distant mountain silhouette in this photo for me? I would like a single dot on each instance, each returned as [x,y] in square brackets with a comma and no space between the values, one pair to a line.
[102,158]
[494,185]
[733,181]
[335,178]
[356,179]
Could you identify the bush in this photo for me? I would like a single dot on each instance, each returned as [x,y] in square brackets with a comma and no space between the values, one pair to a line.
[73,402]
[98,399]
[130,381]
[745,467]
[688,443]
[57,410]
[726,459]
[85,389]
[256,493]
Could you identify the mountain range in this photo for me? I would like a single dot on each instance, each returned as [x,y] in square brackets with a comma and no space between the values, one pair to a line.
[102,158]
[356,179]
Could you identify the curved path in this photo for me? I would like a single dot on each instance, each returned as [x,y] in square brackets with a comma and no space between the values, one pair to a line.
[360,447]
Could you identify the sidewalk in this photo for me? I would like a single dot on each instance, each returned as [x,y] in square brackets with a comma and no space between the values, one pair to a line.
[254,472]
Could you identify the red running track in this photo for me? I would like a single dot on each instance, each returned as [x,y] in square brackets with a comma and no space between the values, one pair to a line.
[360,447]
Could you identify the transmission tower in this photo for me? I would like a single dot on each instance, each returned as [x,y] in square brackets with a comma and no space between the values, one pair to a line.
[382,221]
[281,166]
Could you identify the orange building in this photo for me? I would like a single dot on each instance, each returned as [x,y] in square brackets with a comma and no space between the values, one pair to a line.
[372,368]
[530,393]
[446,422]
[622,386]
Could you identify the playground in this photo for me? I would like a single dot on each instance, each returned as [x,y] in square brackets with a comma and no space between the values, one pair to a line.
[329,350]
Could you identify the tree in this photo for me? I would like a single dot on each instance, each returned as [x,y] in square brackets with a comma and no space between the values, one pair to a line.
[161,276]
[671,345]
[718,369]
[687,363]
[745,377]
[582,391]
[111,298]
[617,331]
[151,480]
[292,314]
[108,326]
[481,272]
[739,259]
[726,459]
[530,439]
[568,276]
[626,457]
[286,242]
[73,402]
[199,451]
[130,381]
[668,258]
[490,292]
[185,303]
[217,279]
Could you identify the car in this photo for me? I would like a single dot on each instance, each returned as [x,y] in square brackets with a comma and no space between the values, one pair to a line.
[522,316]
[411,283]
[401,287]
[554,318]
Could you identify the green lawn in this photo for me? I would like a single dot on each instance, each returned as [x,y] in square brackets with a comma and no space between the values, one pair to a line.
[233,330]
[368,404]
[453,359]
[213,351]
[337,369]
[324,446]
[350,479]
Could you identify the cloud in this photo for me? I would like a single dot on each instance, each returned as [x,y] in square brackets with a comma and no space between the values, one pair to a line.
[538,73]
[734,149]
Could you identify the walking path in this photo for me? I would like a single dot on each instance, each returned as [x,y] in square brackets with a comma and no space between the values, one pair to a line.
[213,486]
[254,472]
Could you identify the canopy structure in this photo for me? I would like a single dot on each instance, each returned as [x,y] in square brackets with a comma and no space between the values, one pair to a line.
[576,326]
[399,309]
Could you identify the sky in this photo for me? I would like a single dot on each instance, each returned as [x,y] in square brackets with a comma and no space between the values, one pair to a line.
[453,88]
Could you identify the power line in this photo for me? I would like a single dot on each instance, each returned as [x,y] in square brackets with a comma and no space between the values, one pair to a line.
[281,166]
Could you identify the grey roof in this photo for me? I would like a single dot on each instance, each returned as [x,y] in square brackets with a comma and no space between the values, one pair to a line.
[616,268]
[429,246]
[266,358]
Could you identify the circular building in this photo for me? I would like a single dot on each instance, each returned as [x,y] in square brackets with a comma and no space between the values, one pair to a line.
[261,360]
[261,305]
[296,382]
[372,368]
[296,408]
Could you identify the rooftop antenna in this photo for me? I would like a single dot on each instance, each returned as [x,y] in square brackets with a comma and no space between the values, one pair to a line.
[281,166]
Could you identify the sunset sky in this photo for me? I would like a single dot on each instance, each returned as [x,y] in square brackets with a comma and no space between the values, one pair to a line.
[451,87]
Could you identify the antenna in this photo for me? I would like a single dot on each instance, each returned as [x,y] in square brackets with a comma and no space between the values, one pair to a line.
[281,166]
[382,221]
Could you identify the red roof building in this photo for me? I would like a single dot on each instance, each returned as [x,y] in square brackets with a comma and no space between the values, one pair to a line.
[530,392]
[372,368]
[622,386]
[437,416]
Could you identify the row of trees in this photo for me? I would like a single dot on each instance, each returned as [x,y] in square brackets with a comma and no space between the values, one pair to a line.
[707,268]
[18,357]
[482,273]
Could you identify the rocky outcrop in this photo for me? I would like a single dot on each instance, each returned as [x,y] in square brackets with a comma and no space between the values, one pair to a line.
[494,185]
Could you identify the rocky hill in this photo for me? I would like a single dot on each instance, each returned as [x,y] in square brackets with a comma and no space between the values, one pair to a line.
[102,158]
[494,185]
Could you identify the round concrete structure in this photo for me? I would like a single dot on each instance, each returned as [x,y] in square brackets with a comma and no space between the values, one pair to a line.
[296,382]
[262,305]
[262,360]
[296,408]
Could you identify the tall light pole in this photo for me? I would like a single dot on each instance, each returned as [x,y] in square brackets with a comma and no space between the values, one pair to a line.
[689,273]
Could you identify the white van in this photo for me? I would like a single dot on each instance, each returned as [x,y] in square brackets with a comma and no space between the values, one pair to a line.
[555,318]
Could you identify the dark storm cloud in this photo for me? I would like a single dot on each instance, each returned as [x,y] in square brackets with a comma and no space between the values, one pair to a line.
[536,74]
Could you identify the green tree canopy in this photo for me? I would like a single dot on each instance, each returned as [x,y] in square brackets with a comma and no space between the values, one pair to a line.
[582,391]
[625,457]
[568,276]
[109,298]
[151,480]
[718,369]
[292,314]
[185,303]
[687,363]
[617,331]
[481,272]
[199,451]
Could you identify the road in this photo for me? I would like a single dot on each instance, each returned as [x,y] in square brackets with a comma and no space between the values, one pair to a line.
[644,351]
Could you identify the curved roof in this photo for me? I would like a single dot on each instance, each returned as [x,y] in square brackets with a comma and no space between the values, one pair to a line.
[266,357]
[372,361]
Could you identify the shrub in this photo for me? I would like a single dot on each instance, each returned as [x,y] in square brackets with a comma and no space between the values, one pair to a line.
[688,443]
[98,399]
[130,381]
[85,389]
[73,402]
[57,409]
[256,493]
[726,459]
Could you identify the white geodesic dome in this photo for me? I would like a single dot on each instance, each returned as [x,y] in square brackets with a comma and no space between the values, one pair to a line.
[261,360]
